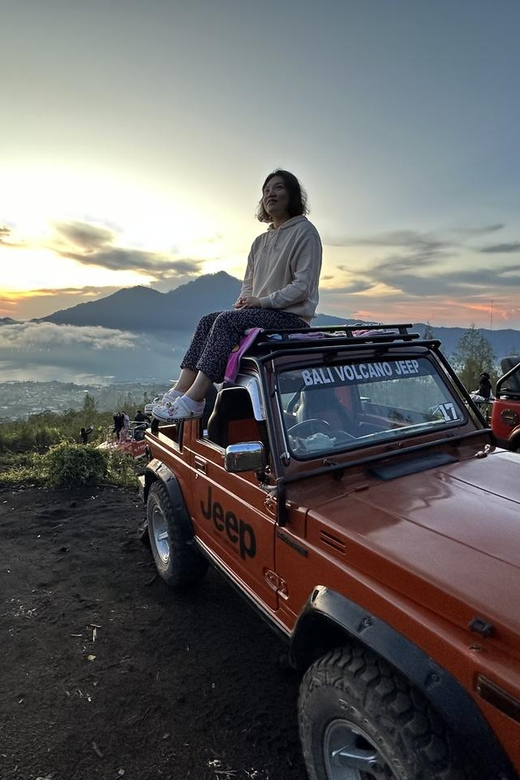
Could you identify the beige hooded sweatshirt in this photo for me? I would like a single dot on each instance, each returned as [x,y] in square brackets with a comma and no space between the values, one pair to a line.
[283,268]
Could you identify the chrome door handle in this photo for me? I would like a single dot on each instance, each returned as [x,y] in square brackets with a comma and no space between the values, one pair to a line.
[200,464]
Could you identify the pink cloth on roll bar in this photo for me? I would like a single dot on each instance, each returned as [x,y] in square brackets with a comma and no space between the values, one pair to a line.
[234,357]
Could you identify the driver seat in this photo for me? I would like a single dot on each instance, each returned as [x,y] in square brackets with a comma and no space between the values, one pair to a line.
[232,419]
[323,404]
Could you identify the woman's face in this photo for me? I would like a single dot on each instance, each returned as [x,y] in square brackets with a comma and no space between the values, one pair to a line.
[275,198]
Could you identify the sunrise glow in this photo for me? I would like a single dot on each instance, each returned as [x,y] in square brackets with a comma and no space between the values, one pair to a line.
[115,175]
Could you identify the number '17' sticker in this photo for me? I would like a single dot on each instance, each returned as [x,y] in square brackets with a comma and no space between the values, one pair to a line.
[448,411]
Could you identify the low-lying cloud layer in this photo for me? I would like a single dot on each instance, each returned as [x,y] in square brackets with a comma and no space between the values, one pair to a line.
[38,335]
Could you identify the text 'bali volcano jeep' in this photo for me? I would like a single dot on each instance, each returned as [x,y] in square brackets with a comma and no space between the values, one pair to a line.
[348,487]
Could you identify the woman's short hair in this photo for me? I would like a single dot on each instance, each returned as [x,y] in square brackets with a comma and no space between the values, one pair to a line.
[297,196]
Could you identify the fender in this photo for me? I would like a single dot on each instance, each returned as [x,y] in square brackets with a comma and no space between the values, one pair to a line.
[157,470]
[328,615]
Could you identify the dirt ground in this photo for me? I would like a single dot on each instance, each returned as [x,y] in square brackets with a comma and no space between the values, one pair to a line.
[106,673]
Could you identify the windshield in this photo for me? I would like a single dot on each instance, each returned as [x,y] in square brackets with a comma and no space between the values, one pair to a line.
[340,406]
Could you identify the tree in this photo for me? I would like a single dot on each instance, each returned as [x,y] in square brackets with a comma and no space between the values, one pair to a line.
[89,406]
[473,356]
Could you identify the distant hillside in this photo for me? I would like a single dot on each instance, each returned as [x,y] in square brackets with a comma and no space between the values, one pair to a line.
[504,342]
[142,309]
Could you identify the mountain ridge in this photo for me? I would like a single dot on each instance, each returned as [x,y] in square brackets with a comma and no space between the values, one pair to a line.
[142,309]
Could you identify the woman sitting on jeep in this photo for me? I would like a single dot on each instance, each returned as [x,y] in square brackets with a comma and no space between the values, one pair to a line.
[280,290]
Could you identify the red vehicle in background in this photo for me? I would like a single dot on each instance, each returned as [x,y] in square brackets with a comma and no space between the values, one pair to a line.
[134,444]
[505,415]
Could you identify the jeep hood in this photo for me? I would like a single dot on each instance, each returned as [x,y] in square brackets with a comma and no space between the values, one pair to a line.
[448,538]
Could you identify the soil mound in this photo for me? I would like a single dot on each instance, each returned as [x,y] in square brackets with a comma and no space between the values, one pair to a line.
[106,673]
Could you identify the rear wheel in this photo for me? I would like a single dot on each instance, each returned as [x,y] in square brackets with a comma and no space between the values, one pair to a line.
[178,562]
[360,720]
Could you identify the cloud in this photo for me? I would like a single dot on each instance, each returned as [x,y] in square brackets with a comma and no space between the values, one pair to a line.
[395,238]
[92,245]
[414,268]
[34,335]
[6,238]
[479,231]
[88,237]
[501,248]
[87,291]
[397,275]
[356,286]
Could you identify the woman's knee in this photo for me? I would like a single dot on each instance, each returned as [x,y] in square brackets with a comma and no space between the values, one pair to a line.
[227,319]
[208,319]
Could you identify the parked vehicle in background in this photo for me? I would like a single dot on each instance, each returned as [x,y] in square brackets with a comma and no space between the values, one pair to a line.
[505,413]
[134,444]
[349,489]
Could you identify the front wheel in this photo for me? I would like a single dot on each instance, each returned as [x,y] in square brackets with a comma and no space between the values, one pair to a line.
[360,720]
[177,561]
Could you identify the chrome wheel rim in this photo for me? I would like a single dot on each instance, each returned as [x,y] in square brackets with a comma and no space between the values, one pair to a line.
[160,534]
[350,754]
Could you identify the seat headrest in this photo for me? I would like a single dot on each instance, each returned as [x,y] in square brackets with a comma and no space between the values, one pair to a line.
[234,403]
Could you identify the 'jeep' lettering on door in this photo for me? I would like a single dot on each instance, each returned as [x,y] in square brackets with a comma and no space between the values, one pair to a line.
[238,532]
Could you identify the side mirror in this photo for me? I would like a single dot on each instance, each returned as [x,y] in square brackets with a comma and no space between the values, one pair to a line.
[245,456]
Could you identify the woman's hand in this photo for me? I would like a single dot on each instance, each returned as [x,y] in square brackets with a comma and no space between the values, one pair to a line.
[248,303]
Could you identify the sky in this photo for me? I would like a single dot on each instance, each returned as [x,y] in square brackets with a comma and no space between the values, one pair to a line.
[135,137]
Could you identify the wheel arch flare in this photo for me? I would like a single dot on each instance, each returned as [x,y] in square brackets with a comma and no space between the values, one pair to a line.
[329,620]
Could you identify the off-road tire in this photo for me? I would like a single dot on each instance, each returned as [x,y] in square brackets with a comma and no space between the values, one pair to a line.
[352,691]
[178,562]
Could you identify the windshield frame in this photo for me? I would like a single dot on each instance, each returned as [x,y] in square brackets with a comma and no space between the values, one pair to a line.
[381,438]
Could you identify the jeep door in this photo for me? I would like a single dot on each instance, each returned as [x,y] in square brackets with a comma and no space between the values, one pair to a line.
[232,519]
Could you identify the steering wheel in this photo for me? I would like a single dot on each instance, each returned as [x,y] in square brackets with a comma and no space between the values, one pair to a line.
[310,427]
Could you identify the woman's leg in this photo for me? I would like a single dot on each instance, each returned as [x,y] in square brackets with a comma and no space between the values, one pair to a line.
[197,345]
[189,362]
[228,329]
[199,387]
[185,380]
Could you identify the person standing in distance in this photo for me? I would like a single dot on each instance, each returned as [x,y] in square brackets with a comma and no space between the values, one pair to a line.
[280,290]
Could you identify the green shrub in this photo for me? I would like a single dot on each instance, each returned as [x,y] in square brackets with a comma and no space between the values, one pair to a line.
[74,465]
[22,470]
[122,469]
[69,465]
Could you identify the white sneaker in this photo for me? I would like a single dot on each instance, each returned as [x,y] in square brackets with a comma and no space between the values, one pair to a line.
[159,400]
[179,409]
[149,407]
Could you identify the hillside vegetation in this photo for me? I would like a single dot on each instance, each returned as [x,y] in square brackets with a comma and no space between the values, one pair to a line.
[45,450]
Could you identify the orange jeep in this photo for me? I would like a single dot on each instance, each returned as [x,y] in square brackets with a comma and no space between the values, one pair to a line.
[505,415]
[347,486]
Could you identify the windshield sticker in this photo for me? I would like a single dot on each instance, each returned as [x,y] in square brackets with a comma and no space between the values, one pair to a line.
[448,412]
[360,372]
